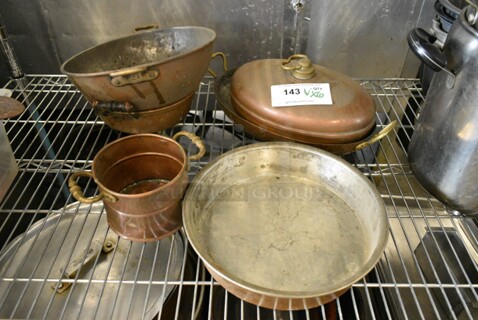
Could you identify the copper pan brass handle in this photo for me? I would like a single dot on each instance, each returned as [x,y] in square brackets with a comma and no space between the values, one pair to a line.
[377,136]
[77,193]
[194,139]
[224,63]
[132,75]
[127,72]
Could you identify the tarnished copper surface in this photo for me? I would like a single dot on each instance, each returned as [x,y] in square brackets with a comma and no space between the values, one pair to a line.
[265,132]
[10,108]
[303,225]
[148,121]
[142,179]
[150,69]
[146,215]
[349,119]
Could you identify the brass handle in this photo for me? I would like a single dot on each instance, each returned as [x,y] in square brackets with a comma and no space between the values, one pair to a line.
[77,193]
[145,28]
[289,60]
[194,139]
[83,260]
[127,72]
[379,135]
[224,63]
[132,75]
[303,70]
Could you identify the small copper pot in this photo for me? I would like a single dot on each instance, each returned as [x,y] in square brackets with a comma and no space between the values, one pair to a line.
[142,179]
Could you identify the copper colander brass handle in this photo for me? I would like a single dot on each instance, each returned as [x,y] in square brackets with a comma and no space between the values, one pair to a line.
[194,139]
[127,72]
[377,136]
[77,193]
[132,75]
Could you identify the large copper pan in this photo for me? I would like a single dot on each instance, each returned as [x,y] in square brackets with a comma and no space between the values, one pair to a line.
[284,225]
[265,132]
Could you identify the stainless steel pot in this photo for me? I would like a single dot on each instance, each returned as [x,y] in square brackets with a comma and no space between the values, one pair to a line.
[283,225]
[443,151]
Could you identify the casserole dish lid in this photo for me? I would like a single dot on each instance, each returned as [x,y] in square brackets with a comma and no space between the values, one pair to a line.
[297,96]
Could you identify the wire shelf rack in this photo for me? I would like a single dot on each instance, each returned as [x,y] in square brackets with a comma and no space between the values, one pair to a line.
[428,269]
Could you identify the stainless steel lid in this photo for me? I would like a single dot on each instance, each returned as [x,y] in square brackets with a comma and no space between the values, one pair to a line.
[71,265]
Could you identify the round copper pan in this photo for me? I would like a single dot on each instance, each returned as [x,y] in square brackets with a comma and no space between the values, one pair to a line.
[264,132]
[349,118]
[149,121]
[142,179]
[292,229]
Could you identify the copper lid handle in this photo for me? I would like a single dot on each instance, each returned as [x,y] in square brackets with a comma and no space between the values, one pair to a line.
[77,193]
[195,140]
[303,69]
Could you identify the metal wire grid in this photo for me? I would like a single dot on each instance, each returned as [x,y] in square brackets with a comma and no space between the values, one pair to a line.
[59,134]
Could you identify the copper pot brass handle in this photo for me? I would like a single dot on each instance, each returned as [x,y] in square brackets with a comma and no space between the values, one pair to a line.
[194,139]
[379,135]
[82,261]
[77,193]
[132,75]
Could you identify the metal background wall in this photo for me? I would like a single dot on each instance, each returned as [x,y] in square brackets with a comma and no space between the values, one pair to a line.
[361,38]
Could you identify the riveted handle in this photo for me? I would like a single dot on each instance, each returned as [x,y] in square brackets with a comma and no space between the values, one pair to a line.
[194,139]
[132,75]
[77,193]
[127,72]
[82,261]
[378,136]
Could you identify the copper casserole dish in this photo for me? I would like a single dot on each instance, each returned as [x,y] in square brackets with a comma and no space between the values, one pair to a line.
[265,132]
[348,118]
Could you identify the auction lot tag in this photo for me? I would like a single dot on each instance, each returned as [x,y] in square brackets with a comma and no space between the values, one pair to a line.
[301,94]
